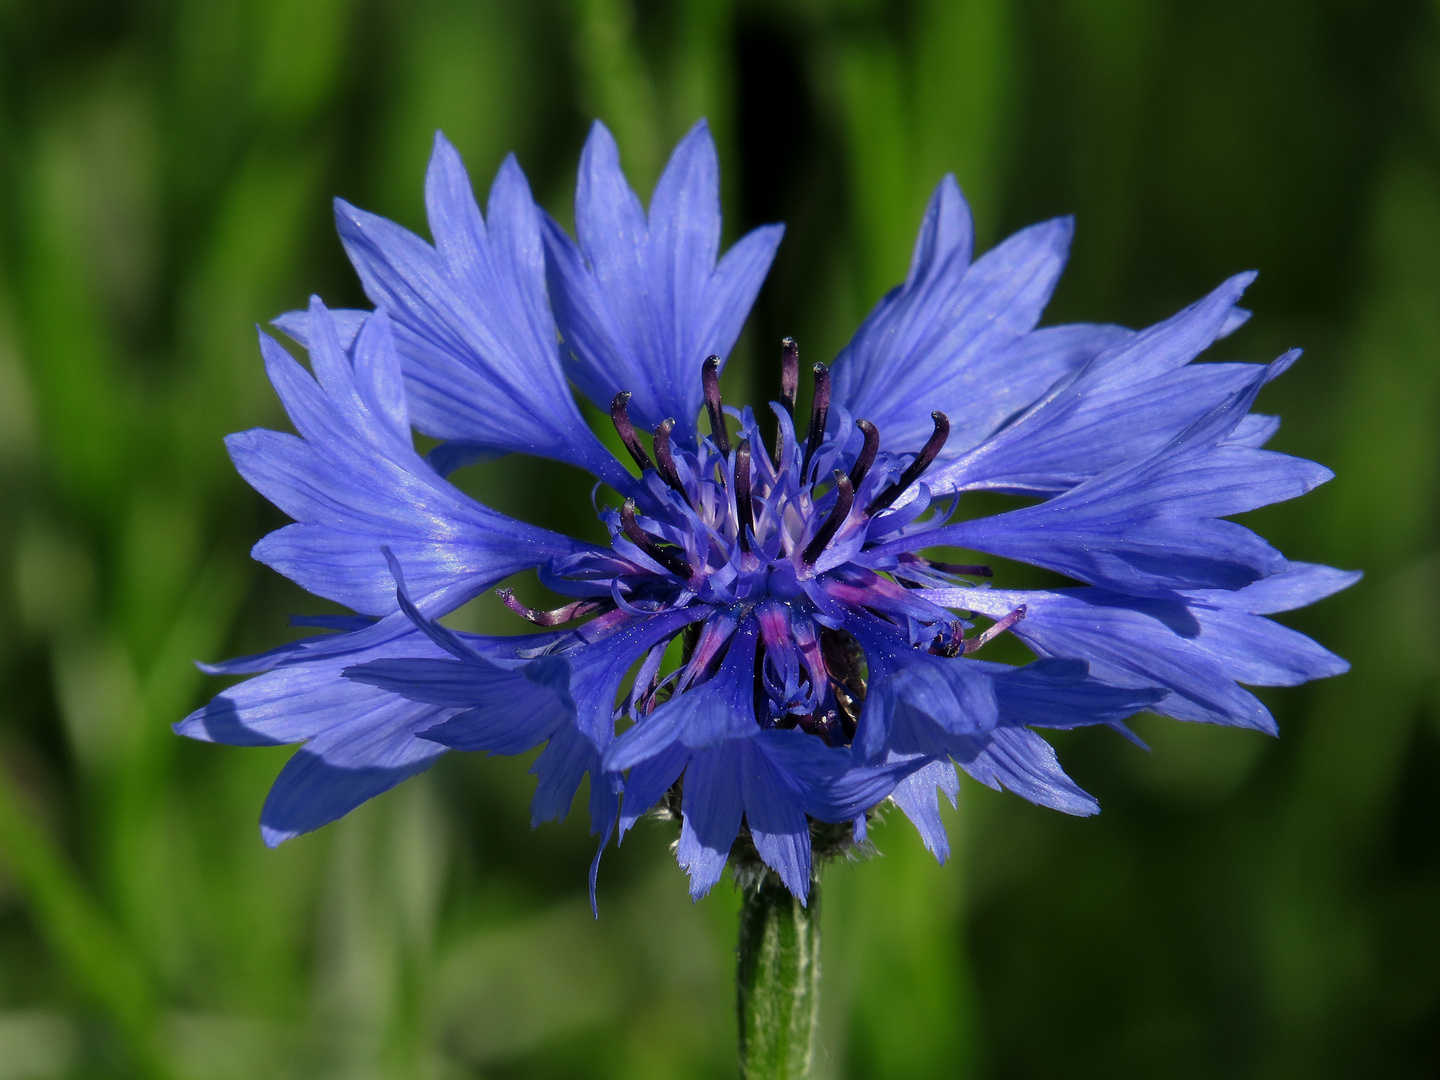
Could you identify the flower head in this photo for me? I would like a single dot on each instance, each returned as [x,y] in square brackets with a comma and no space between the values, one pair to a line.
[769,645]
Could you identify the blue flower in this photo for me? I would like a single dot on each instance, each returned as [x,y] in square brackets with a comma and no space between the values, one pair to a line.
[768,646]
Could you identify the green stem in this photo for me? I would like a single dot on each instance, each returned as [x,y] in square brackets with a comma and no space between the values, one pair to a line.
[778,981]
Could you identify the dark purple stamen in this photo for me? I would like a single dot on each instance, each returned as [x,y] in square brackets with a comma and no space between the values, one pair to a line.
[866,457]
[1000,626]
[710,377]
[555,617]
[649,545]
[844,500]
[819,413]
[922,462]
[789,373]
[666,457]
[744,509]
[620,417]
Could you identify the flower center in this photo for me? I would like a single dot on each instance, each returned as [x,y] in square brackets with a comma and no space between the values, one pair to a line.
[732,525]
[780,538]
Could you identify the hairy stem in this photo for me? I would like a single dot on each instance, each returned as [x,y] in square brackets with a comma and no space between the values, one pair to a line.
[778,981]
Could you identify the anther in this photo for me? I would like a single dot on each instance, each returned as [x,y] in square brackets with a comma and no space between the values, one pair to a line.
[710,378]
[647,543]
[567,613]
[744,508]
[866,457]
[789,387]
[819,413]
[620,417]
[666,457]
[789,373]
[844,500]
[922,461]
[1000,626]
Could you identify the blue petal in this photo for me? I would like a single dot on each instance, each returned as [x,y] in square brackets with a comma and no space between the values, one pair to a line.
[354,482]
[953,336]
[348,322]
[574,702]
[1021,761]
[1196,645]
[781,776]
[917,796]
[594,672]
[648,782]
[1259,652]
[722,708]
[316,787]
[1300,585]
[1143,642]
[1152,526]
[321,646]
[1128,401]
[360,740]
[946,236]
[759,776]
[973,711]
[567,757]
[445,458]
[916,699]
[472,325]
[826,782]
[504,711]
[777,823]
[310,699]
[1055,693]
[712,806]
[641,302]
[598,668]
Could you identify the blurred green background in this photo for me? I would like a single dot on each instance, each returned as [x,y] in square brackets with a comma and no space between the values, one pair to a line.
[1244,907]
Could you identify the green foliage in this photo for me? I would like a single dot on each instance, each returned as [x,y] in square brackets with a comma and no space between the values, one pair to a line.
[1242,908]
